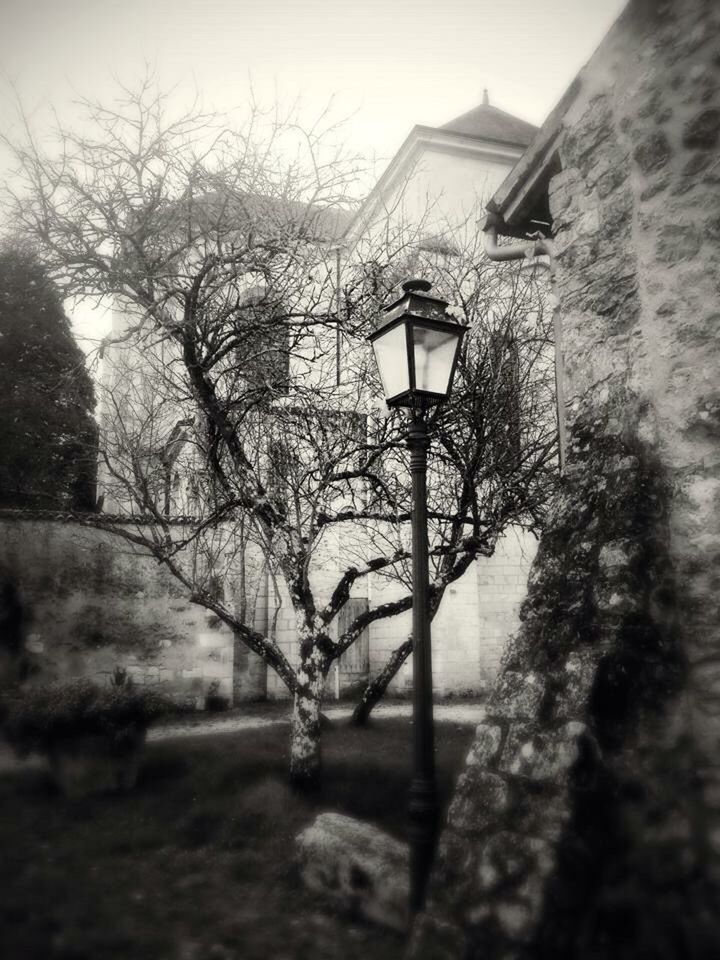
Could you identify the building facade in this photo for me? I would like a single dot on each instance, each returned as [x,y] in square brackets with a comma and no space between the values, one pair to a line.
[431,196]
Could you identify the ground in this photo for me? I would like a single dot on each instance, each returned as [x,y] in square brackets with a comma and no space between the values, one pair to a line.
[198,862]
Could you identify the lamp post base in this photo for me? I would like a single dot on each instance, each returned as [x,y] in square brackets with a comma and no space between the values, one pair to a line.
[422,829]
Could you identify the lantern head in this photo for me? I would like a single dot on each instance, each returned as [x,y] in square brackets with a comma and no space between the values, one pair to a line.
[416,348]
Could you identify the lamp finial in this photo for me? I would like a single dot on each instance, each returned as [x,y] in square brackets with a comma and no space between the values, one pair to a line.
[416,286]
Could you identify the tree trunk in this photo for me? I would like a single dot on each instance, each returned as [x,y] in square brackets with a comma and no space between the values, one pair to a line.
[375,690]
[305,744]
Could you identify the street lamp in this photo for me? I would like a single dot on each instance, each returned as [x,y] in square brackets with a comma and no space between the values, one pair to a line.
[416,349]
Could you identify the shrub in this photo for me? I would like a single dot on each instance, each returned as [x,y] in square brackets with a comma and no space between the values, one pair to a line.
[38,718]
[214,700]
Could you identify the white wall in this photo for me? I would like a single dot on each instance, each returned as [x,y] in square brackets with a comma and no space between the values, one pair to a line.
[448,188]
[444,191]
[477,615]
[444,187]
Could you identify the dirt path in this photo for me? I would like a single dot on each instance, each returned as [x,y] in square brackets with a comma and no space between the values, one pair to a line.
[464,713]
[203,725]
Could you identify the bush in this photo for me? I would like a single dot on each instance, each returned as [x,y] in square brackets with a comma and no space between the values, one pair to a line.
[214,700]
[38,718]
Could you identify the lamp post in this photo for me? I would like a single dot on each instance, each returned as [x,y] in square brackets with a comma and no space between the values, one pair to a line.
[416,349]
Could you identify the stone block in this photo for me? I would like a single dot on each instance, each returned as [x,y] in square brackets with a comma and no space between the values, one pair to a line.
[481,799]
[617,553]
[434,939]
[654,187]
[578,679]
[35,643]
[515,919]
[608,175]
[516,696]
[453,877]
[703,130]
[507,857]
[357,867]
[563,189]
[677,241]
[544,756]
[486,745]
[653,152]
[583,140]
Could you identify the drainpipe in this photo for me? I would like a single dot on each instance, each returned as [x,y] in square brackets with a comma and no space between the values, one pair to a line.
[537,245]
[338,334]
[337,249]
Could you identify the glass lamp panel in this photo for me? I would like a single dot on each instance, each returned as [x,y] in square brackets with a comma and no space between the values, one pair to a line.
[434,355]
[392,361]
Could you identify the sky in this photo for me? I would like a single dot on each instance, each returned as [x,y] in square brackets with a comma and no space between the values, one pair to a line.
[387,64]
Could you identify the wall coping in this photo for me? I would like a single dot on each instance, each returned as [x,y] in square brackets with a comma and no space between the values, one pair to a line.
[97,520]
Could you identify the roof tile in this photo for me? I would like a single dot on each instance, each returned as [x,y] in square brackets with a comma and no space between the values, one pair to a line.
[486,122]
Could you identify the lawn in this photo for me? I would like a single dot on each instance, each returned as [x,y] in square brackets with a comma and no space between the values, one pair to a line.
[197,863]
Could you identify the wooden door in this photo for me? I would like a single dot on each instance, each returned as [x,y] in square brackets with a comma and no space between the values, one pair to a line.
[353,667]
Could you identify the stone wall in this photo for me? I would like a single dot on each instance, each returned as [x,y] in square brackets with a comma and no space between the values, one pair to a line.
[477,615]
[587,821]
[330,559]
[470,630]
[91,604]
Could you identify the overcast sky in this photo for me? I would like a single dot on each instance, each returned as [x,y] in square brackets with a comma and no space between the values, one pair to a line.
[389,63]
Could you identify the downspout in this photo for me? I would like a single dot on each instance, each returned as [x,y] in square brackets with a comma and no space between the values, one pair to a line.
[337,249]
[537,246]
[338,334]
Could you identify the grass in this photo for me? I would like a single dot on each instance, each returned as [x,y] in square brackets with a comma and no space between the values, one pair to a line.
[198,862]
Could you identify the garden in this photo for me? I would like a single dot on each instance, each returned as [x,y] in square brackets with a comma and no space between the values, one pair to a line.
[197,860]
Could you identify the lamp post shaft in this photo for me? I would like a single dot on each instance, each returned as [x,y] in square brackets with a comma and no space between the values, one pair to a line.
[422,808]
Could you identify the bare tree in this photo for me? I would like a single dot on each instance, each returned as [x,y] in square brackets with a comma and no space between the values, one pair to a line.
[233,394]
[493,461]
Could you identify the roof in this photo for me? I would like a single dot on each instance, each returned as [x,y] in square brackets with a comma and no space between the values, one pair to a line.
[245,210]
[486,122]
[226,210]
[521,202]
[319,223]
[485,131]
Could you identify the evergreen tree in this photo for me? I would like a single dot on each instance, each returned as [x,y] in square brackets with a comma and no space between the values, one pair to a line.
[48,437]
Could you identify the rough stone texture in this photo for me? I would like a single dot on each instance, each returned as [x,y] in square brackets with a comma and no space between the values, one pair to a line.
[543,756]
[480,797]
[434,939]
[359,869]
[604,840]
[517,694]
[702,130]
[488,739]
